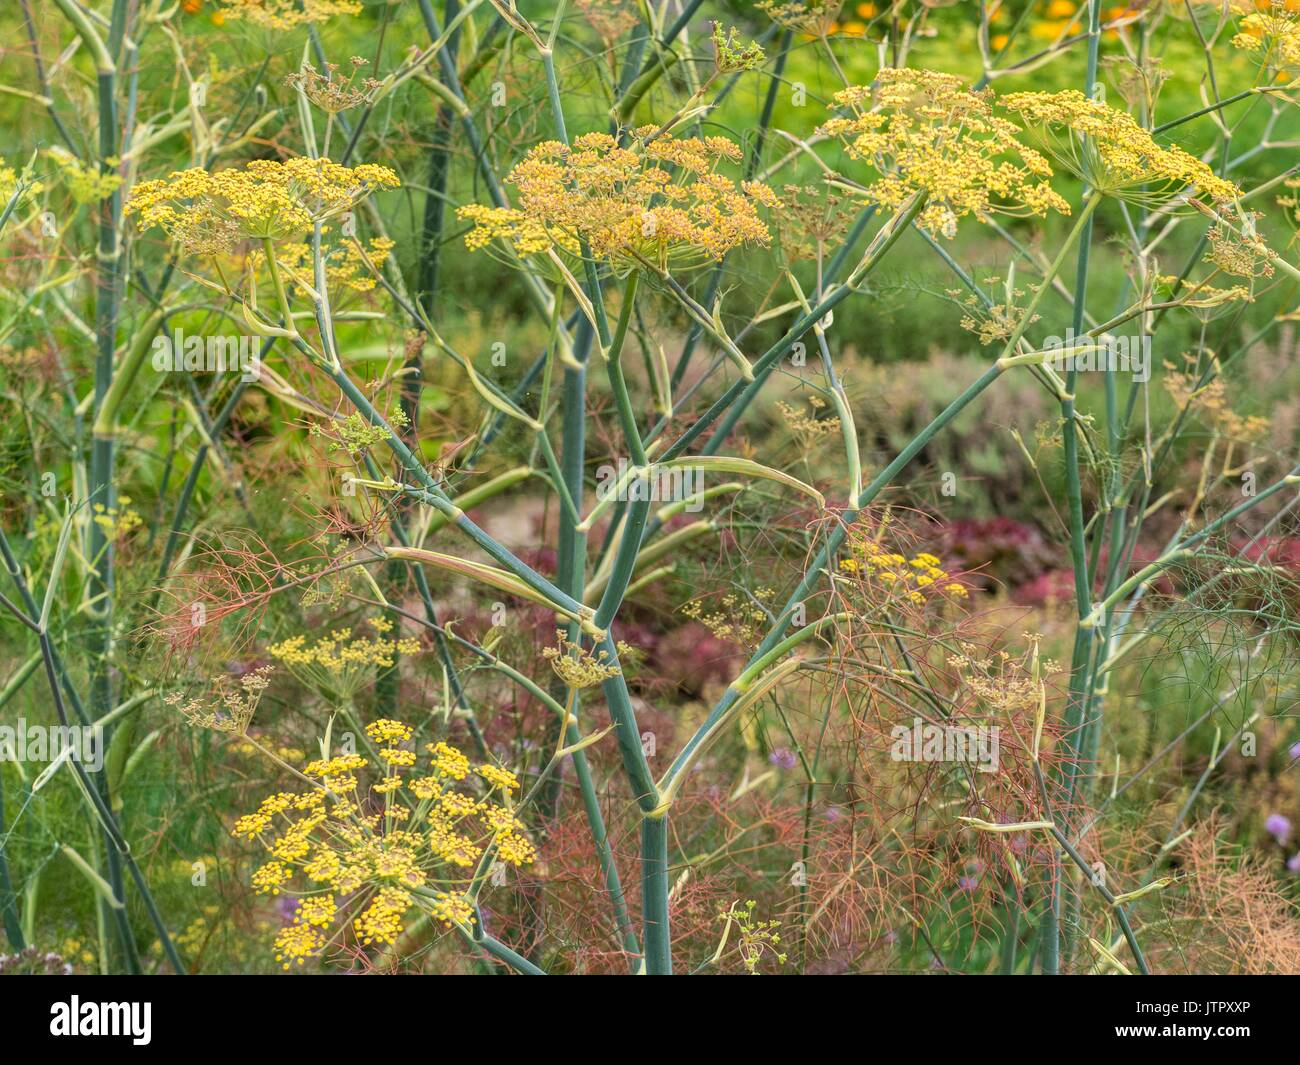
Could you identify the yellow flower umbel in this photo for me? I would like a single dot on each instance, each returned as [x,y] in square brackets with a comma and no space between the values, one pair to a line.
[742,619]
[338,665]
[210,213]
[578,668]
[116,522]
[286,14]
[10,183]
[923,132]
[816,18]
[1109,150]
[626,203]
[609,18]
[894,576]
[415,839]
[86,184]
[808,428]
[1274,36]
[1209,402]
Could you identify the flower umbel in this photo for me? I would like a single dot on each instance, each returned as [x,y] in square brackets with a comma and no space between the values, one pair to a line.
[732,54]
[209,213]
[816,18]
[232,705]
[286,14]
[659,199]
[893,575]
[371,858]
[577,667]
[337,665]
[923,132]
[1109,150]
[1273,36]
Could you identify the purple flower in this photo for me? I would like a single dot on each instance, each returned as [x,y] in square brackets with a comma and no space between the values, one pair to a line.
[783,758]
[1278,827]
[1293,863]
[833,813]
[1295,752]
[967,883]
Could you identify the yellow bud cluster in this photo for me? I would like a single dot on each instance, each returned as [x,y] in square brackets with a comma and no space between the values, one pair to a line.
[1274,36]
[577,666]
[659,199]
[923,132]
[297,942]
[209,213]
[383,858]
[913,579]
[386,730]
[286,14]
[452,909]
[381,921]
[1108,149]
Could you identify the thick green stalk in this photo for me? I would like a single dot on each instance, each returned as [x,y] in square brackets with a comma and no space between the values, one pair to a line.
[654,892]
[570,575]
[8,903]
[1076,710]
[100,487]
[502,953]
[109,825]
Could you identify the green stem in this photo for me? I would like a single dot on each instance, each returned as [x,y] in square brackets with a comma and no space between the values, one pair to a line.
[654,896]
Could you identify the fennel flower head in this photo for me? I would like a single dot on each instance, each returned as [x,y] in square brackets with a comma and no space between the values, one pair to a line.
[922,131]
[338,664]
[1112,153]
[609,18]
[365,857]
[658,200]
[816,18]
[11,182]
[1273,36]
[578,667]
[209,213]
[229,707]
[287,14]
